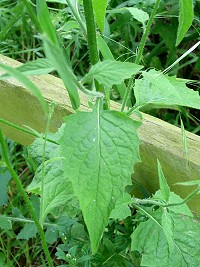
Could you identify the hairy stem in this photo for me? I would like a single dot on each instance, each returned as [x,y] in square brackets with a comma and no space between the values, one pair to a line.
[137,201]
[91,31]
[140,52]
[26,199]
[13,125]
[77,16]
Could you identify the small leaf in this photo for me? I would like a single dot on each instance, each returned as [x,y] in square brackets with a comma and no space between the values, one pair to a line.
[28,231]
[99,12]
[4,180]
[111,72]
[35,67]
[5,223]
[138,14]
[186,15]
[158,89]
[150,241]
[122,209]
[164,188]
[100,149]
[70,25]
[26,82]
[107,55]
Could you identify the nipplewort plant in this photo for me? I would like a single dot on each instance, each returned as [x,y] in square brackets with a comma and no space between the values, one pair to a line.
[84,170]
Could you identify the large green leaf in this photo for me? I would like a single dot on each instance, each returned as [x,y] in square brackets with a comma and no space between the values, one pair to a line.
[99,12]
[111,72]
[155,89]
[100,149]
[150,240]
[186,15]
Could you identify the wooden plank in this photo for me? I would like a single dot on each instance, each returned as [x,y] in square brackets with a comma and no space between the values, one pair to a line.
[160,139]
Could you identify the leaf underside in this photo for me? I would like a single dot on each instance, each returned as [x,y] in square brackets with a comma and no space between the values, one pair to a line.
[100,149]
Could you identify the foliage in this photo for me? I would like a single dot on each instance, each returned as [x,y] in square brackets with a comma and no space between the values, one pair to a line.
[79,194]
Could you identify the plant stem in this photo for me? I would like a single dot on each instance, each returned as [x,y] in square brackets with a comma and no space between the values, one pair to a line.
[91,31]
[25,130]
[137,201]
[26,199]
[77,16]
[140,52]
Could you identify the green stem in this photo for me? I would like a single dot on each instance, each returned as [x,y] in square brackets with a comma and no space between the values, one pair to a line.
[137,201]
[26,199]
[77,16]
[140,52]
[91,31]
[186,199]
[25,130]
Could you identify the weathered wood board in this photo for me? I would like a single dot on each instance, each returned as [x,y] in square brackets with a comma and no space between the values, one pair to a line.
[160,140]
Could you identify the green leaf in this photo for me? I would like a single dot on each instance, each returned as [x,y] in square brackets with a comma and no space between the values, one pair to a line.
[168,228]
[5,223]
[156,89]
[4,180]
[70,25]
[99,12]
[138,14]
[164,188]
[28,231]
[186,15]
[122,209]
[107,55]
[58,59]
[111,72]
[26,82]
[174,199]
[150,240]
[55,53]
[57,189]
[190,183]
[35,67]
[45,21]
[100,149]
